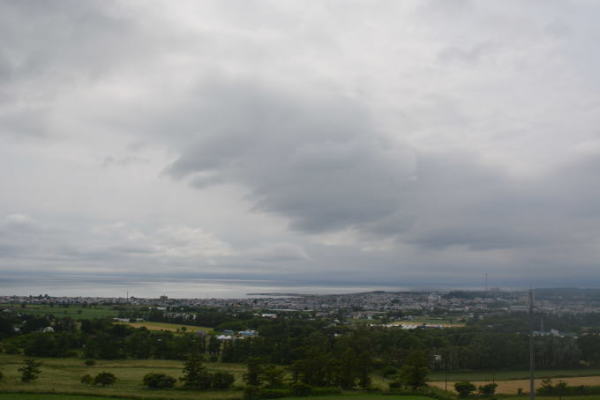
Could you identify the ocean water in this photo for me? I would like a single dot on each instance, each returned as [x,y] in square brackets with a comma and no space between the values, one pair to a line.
[205,288]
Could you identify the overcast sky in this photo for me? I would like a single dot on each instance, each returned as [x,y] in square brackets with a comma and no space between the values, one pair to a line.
[341,143]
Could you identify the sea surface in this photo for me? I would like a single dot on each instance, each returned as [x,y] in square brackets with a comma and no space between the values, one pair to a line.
[205,288]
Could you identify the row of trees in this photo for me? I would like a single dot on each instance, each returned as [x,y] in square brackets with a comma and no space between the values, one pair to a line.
[295,342]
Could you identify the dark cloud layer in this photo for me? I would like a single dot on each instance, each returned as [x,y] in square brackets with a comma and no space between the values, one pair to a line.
[322,164]
[317,161]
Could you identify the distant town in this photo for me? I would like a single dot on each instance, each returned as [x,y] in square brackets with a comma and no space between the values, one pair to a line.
[375,305]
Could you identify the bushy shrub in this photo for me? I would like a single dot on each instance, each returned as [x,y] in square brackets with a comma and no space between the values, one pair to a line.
[561,388]
[87,379]
[389,371]
[301,389]
[155,380]
[436,393]
[222,380]
[251,392]
[396,385]
[105,379]
[12,348]
[322,391]
[464,388]
[488,390]
[273,393]
[89,363]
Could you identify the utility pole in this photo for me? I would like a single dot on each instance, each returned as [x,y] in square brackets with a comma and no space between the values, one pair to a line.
[531,349]
[446,357]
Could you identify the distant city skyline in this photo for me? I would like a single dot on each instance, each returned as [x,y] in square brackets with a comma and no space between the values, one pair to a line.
[413,144]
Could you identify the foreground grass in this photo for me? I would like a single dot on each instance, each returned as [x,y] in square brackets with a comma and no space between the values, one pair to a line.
[62,375]
[349,396]
[360,396]
[60,380]
[33,396]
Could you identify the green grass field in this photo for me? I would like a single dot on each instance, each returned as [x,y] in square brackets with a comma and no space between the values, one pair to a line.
[60,379]
[62,375]
[75,312]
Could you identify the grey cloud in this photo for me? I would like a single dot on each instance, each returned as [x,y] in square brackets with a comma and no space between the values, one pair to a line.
[48,49]
[279,252]
[318,161]
[481,207]
[82,245]
[328,169]
[123,161]
[47,41]
[469,55]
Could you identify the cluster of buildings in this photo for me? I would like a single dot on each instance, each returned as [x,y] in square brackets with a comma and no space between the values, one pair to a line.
[369,305]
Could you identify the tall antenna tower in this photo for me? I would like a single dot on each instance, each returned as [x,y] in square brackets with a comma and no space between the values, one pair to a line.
[531,349]
[486,283]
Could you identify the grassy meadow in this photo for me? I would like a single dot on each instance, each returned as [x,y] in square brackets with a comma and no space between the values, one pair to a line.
[62,375]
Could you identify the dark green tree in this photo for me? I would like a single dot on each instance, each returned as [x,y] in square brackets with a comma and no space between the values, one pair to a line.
[273,376]
[222,380]
[414,371]
[253,372]
[30,371]
[214,346]
[195,375]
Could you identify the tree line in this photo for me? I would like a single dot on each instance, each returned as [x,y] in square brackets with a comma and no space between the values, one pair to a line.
[309,347]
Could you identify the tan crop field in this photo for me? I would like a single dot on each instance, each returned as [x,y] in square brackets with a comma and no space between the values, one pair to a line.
[164,326]
[512,386]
